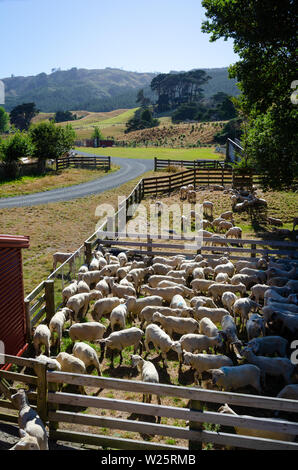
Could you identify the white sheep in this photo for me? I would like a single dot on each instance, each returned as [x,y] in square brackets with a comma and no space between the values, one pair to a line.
[41,336]
[60,257]
[178,325]
[203,362]
[228,268]
[228,299]
[234,232]
[147,312]
[69,291]
[154,280]
[192,342]
[57,323]
[149,374]
[215,314]
[178,302]
[104,307]
[103,286]
[119,340]
[160,339]
[207,327]
[87,354]
[137,305]
[183,192]
[208,208]
[167,293]
[235,377]
[83,287]
[120,290]
[243,306]
[51,363]
[224,226]
[88,331]
[122,257]
[79,303]
[216,290]
[222,278]
[202,301]
[274,366]
[245,279]
[119,315]
[30,424]
[201,285]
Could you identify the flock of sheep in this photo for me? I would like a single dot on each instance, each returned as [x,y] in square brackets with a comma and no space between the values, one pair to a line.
[232,322]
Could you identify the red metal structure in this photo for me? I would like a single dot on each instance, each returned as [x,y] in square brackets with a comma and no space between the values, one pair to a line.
[12,312]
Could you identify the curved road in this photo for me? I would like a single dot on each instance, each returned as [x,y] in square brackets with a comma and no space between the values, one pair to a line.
[129,169]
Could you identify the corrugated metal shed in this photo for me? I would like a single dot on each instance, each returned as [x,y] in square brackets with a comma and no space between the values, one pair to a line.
[12,313]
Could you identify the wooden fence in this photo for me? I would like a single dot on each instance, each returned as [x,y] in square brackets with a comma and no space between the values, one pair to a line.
[161,164]
[82,161]
[49,403]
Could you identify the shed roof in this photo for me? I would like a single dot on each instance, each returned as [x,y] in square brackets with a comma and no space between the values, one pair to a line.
[14,241]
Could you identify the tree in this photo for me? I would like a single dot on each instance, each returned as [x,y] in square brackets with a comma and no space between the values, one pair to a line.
[62,116]
[264,34]
[142,119]
[142,100]
[12,150]
[4,120]
[22,115]
[51,141]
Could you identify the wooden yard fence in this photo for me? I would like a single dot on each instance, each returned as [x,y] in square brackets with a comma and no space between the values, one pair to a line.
[49,402]
[82,161]
[161,164]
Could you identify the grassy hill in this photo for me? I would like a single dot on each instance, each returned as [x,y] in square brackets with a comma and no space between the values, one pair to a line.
[94,90]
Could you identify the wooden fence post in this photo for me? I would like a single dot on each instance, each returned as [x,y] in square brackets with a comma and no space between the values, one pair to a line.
[42,392]
[88,252]
[253,247]
[28,320]
[50,299]
[155,163]
[195,405]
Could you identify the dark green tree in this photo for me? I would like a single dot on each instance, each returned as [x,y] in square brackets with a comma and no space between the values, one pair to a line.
[12,150]
[265,38]
[4,120]
[63,116]
[51,141]
[22,115]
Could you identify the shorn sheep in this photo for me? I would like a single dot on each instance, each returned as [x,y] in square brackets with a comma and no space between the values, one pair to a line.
[148,374]
[32,430]
[119,340]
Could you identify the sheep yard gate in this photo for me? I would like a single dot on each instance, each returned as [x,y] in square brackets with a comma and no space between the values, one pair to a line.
[56,407]
[82,161]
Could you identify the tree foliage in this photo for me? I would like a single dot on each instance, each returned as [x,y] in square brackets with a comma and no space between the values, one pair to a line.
[264,34]
[4,120]
[63,116]
[142,119]
[12,150]
[22,115]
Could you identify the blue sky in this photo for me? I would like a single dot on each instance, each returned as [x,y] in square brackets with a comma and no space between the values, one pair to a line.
[136,35]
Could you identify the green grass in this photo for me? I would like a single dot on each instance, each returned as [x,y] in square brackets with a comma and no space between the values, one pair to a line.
[151,152]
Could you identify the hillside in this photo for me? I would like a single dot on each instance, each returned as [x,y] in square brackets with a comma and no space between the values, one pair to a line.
[94,90]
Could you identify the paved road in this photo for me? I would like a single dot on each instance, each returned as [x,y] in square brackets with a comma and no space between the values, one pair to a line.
[130,169]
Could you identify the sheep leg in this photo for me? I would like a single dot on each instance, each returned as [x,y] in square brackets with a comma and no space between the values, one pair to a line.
[121,358]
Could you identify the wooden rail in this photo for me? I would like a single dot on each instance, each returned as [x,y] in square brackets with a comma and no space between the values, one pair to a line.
[160,164]
[81,161]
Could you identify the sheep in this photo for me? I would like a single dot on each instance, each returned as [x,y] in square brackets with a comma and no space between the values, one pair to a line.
[207,327]
[91,277]
[119,315]
[242,307]
[160,339]
[269,345]
[60,257]
[198,273]
[172,324]
[137,305]
[201,285]
[280,436]
[293,285]
[147,312]
[118,290]
[122,257]
[72,364]
[278,281]
[274,366]
[83,287]
[159,208]
[216,261]
[274,272]
[224,225]
[274,221]
[79,303]
[217,221]
[240,264]
[178,302]
[137,276]
[283,306]
[89,331]
[208,208]
[56,324]
[230,331]
[42,336]
[167,293]
[271,295]
[69,291]
[234,232]
[245,279]
[215,314]
[285,321]
[103,286]
[222,278]
[87,354]
[240,206]
[228,299]
[118,340]
[289,392]
[255,326]
[154,280]
[203,362]
[206,224]
[173,261]
[26,442]
[51,363]
[228,268]
[208,272]
[235,377]
[227,215]
[257,292]
[83,269]
[149,374]
[104,307]
[192,342]
[260,274]
[32,429]
[180,274]
[94,264]
[216,290]
[202,301]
